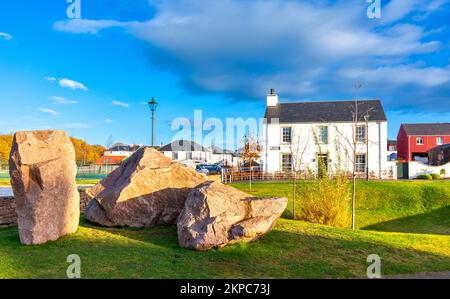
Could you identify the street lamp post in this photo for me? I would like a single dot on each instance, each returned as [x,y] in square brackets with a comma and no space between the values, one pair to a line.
[153,104]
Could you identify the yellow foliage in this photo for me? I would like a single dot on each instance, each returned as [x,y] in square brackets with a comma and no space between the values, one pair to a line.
[325,201]
[84,153]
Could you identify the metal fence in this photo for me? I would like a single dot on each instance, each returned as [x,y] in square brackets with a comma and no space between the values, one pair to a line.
[256,174]
[83,172]
[244,174]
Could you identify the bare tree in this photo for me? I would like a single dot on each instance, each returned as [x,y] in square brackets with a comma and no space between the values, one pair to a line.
[297,150]
[109,142]
[353,143]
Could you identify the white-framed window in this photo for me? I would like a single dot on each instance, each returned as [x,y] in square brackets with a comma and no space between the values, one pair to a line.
[361,133]
[286,162]
[286,135]
[419,140]
[322,134]
[440,140]
[360,163]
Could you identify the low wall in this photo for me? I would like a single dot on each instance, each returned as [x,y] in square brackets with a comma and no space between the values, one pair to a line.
[8,214]
[418,168]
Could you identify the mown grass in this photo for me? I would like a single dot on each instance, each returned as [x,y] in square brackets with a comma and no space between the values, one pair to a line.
[398,206]
[294,249]
[406,223]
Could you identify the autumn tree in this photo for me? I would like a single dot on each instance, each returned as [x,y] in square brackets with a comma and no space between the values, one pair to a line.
[5,148]
[250,152]
[84,152]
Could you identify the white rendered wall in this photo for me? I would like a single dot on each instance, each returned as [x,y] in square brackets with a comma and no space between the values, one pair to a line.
[304,147]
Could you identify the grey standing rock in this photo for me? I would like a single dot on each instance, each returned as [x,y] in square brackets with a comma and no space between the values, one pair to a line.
[43,169]
[216,215]
[148,189]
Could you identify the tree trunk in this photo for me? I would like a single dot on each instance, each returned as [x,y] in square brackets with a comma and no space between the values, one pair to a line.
[293,195]
[353,201]
[250,180]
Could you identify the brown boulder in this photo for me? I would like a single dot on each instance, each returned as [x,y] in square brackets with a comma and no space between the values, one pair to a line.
[216,215]
[148,189]
[42,168]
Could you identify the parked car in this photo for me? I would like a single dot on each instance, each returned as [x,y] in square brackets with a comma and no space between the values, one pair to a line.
[201,169]
[213,169]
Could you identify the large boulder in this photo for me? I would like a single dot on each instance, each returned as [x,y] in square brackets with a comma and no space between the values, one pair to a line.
[42,168]
[148,189]
[216,215]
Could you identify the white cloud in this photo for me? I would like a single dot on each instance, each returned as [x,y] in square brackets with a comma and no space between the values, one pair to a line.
[109,121]
[87,26]
[305,49]
[396,76]
[72,84]
[51,79]
[61,100]
[120,104]
[48,111]
[5,36]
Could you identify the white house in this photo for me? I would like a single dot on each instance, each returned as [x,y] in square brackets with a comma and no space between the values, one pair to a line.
[220,156]
[299,135]
[183,150]
[121,149]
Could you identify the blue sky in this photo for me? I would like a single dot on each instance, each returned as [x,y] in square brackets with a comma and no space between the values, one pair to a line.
[91,76]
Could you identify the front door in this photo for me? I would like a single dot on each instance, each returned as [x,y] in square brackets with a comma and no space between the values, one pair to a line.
[322,165]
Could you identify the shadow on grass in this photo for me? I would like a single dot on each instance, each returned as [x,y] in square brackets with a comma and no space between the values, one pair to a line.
[291,250]
[434,222]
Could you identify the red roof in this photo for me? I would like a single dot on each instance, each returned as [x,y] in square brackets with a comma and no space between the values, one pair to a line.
[110,160]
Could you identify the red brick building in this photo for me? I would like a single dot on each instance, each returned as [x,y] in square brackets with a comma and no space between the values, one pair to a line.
[415,140]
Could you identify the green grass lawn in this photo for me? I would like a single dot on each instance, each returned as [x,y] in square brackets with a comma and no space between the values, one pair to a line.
[406,223]
[397,206]
[294,249]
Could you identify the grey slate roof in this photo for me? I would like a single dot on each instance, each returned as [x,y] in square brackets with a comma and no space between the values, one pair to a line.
[218,150]
[427,129]
[182,146]
[317,112]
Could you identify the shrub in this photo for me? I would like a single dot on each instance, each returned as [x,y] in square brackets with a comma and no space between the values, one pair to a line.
[325,201]
[424,177]
[435,176]
[443,172]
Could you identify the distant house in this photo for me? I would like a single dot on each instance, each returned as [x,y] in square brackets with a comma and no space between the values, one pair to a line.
[181,150]
[221,156]
[415,140]
[392,150]
[110,160]
[315,136]
[121,149]
[117,153]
